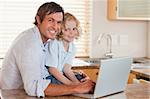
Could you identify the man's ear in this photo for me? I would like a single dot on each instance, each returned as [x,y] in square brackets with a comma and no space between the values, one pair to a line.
[38,19]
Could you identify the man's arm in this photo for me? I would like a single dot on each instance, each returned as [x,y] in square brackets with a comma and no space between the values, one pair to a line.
[59,76]
[60,89]
[29,65]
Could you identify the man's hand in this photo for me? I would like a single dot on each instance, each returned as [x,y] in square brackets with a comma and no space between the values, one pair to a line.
[85,87]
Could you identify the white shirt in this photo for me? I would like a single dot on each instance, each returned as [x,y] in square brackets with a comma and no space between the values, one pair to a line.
[23,64]
[57,56]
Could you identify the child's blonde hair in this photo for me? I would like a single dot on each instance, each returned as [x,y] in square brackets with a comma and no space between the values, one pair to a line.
[68,17]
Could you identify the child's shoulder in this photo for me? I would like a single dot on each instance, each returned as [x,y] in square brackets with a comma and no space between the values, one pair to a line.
[72,44]
[53,43]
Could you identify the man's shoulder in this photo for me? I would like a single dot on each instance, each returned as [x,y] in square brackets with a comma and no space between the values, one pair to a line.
[25,38]
[27,32]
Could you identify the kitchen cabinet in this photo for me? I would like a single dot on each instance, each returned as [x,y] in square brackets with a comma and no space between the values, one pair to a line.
[91,72]
[135,74]
[131,78]
[128,9]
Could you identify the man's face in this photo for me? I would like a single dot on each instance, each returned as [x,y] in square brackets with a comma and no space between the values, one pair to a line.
[50,25]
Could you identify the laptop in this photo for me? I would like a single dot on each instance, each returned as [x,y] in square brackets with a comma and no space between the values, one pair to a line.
[112,77]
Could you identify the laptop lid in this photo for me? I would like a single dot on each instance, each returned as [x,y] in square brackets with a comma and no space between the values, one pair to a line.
[113,76]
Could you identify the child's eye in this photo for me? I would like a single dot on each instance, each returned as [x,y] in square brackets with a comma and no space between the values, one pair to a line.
[67,29]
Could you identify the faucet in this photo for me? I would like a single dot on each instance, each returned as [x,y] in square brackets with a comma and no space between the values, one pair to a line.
[108,53]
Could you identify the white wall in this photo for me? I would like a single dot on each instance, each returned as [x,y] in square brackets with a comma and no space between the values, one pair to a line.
[133,33]
[148,44]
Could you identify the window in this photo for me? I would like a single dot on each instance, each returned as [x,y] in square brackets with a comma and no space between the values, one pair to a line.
[18,15]
[129,9]
[134,9]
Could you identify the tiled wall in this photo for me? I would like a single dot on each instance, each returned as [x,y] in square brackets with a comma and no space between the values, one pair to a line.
[129,36]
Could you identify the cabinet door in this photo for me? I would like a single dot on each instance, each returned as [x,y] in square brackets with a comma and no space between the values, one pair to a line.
[91,72]
[131,78]
[129,9]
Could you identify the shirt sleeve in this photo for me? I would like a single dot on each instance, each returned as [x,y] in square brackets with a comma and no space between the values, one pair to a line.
[52,54]
[29,64]
[71,56]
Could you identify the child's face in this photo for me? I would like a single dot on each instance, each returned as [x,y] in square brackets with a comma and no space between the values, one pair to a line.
[70,31]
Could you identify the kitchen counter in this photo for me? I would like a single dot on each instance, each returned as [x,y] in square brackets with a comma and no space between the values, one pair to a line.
[132,91]
[140,67]
[142,73]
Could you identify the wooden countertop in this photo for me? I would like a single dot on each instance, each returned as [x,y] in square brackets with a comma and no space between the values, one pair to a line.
[95,66]
[133,91]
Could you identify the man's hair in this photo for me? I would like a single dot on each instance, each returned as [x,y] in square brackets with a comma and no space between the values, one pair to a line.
[48,8]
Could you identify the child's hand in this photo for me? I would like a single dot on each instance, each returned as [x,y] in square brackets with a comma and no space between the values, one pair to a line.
[84,76]
[84,79]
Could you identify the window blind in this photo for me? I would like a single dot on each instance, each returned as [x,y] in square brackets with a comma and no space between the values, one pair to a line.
[18,15]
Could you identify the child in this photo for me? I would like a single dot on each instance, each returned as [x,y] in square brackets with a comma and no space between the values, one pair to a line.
[61,53]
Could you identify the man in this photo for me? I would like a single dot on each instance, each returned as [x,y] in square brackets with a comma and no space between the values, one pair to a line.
[23,65]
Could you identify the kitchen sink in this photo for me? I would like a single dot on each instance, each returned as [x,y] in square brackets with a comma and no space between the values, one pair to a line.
[93,60]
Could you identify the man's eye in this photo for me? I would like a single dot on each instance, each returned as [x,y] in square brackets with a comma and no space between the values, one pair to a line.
[50,20]
[59,22]
[75,28]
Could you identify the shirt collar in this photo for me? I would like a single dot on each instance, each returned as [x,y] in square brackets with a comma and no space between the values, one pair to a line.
[70,47]
[38,36]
